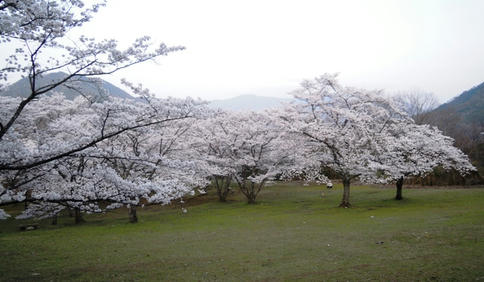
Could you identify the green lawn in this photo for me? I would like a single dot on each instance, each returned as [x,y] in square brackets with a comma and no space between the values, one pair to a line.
[291,234]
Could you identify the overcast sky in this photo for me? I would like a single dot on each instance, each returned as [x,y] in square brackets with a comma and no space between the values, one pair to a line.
[267,47]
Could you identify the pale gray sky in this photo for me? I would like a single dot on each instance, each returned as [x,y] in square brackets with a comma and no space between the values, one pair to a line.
[266,47]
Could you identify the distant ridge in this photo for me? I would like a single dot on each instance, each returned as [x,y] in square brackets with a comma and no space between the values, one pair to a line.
[248,103]
[469,105]
[463,119]
[86,86]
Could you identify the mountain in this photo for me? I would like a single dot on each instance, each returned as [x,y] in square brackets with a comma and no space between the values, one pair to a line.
[248,102]
[87,86]
[463,119]
[469,105]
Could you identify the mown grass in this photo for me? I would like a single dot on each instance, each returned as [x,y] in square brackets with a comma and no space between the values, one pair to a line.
[291,234]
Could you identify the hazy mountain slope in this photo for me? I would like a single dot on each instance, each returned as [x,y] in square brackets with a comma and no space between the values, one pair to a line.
[463,119]
[469,105]
[86,86]
[248,102]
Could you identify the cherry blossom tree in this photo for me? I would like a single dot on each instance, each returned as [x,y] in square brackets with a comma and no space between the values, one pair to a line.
[249,148]
[80,176]
[37,134]
[415,150]
[214,145]
[345,128]
[36,29]
[162,154]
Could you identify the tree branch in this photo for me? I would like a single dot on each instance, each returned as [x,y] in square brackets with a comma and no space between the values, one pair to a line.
[85,146]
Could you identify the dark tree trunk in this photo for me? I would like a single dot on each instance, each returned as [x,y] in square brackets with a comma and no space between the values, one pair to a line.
[250,193]
[251,198]
[250,189]
[78,216]
[345,202]
[399,185]
[54,220]
[222,183]
[133,218]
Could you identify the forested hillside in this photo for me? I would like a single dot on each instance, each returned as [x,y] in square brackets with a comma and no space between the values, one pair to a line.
[86,86]
[463,119]
[469,105]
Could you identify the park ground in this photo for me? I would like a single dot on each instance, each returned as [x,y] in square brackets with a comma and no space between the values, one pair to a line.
[292,233]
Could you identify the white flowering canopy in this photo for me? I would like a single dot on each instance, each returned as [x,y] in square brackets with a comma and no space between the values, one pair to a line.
[360,133]
[56,152]
[78,153]
[250,147]
[345,127]
[415,150]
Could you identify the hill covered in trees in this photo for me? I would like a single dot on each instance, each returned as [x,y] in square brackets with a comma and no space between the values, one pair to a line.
[463,119]
[469,105]
[81,86]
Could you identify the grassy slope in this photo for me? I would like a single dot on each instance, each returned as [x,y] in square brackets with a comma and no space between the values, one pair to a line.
[292,234]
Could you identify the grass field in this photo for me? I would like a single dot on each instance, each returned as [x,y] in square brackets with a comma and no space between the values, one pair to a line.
[291,234]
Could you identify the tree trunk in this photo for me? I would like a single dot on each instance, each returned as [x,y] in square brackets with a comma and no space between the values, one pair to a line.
[399,185]
[251,193]
[133,218]
[251,199]
[226,187]
[250,189]
[345,202]
[223,187]
[54,220]
[221,197]
[78,216]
